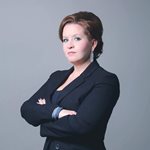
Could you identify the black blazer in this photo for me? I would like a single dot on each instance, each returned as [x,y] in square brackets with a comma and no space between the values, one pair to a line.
[92,95]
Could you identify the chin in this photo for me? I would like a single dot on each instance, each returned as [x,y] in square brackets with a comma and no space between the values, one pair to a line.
[76,62]
[72,60]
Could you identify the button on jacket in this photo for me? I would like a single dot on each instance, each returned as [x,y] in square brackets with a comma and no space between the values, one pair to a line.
[92,95]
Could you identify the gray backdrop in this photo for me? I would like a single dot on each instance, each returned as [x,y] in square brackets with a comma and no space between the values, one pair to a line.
[30,51]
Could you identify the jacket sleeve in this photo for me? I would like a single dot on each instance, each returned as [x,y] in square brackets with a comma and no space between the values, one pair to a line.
[34,113]
[97,104]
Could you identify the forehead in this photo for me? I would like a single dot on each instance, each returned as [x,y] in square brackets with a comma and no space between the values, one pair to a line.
[72,28]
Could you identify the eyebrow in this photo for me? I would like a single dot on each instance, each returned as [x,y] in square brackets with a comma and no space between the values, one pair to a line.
[73,35]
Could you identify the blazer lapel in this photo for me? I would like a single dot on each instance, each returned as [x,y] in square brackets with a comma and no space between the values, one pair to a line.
[59,79]
[69,88]
[78,81]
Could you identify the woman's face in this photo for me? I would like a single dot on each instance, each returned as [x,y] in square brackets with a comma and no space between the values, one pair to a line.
[77,47]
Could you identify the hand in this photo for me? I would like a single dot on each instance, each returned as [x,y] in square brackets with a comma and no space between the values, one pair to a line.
[41,101]
[65,112]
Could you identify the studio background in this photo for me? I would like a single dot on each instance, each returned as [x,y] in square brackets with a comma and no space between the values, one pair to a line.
[30,51]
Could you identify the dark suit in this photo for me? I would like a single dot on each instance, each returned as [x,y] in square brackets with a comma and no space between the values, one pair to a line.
[92,95]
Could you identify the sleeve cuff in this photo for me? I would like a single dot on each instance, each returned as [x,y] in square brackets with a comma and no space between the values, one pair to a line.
[56,112]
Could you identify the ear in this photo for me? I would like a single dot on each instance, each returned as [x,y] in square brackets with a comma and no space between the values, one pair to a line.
[94,44]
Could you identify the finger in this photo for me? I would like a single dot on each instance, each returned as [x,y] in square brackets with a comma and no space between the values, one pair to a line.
[73,113]
[38,102]
[44,101]
[41,101]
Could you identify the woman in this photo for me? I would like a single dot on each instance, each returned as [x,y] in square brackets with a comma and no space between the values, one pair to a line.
[73,107]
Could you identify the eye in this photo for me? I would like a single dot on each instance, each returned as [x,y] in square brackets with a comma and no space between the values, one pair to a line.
[65,40]
[77,38]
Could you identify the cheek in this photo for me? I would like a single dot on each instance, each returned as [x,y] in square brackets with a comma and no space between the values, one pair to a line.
[64,48]
[63,45]
[86,47]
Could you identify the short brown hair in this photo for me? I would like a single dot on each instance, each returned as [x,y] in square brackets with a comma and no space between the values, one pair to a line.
[92,25]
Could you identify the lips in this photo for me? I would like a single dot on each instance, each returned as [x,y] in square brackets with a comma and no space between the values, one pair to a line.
[71,53]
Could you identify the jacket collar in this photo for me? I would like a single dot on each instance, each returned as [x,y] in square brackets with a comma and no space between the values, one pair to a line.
[90,69]
[78,81]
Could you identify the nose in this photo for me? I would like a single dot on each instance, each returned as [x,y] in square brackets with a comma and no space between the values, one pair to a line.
[70,44]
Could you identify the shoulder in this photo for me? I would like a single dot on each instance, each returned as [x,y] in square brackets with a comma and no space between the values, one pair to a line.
[106,79]
[102,75]
[58,73]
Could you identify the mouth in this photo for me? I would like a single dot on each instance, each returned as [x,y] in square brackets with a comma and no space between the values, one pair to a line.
[71,53]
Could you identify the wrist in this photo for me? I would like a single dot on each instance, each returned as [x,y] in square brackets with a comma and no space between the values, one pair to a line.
[55,114]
